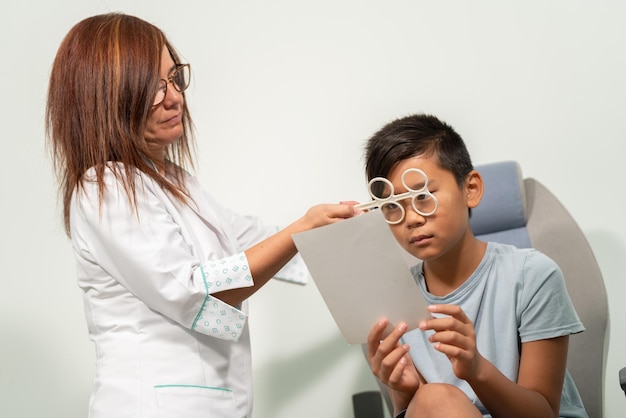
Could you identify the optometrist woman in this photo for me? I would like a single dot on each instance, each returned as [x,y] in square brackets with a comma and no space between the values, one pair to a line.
[165,270]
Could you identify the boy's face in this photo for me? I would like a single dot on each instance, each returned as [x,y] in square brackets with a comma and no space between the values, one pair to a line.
[436,235]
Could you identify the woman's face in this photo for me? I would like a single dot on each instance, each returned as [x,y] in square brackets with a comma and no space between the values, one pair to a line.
[165,121]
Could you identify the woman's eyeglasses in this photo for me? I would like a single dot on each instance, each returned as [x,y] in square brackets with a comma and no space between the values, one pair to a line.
[179,78]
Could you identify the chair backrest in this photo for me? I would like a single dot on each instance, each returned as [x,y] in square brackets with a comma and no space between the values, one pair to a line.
[523,212]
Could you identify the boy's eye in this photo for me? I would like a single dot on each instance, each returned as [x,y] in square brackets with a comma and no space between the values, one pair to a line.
[392,211]
[390,207]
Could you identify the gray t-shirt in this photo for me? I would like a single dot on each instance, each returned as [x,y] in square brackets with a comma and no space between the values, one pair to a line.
[514,296]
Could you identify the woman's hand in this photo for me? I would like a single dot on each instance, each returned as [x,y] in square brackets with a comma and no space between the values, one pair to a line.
[456,338]
[391,364]
[325,214]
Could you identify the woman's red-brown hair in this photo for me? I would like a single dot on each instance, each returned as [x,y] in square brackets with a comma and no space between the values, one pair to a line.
[100,94]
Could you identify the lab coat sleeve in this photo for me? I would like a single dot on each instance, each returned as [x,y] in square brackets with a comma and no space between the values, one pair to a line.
[250,230]
[216,317]
[145,252]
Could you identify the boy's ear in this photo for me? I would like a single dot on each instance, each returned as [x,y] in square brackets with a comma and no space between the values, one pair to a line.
[474,188]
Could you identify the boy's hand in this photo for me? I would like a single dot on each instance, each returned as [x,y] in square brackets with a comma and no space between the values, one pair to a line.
[456,338]
[391,364]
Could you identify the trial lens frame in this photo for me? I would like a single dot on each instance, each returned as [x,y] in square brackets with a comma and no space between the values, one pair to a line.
[378,202]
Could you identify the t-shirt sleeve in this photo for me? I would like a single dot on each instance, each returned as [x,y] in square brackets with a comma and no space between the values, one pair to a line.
[546,310]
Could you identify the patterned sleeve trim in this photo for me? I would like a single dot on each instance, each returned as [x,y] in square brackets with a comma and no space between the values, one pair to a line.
[295,271]
[216,318]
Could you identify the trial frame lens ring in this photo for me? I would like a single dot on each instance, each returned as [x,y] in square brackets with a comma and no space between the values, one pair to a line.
[423,180]
[372,185]
[431,198]
[393,219]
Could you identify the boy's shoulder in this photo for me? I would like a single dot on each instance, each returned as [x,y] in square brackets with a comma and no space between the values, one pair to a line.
[498,248]
[527,258]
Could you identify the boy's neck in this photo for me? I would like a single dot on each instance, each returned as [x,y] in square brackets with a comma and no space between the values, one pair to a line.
[445,274]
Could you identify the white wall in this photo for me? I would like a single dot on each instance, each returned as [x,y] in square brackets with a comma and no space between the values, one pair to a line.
[284,94]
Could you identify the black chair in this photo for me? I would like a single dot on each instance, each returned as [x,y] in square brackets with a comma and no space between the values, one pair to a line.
[368,404]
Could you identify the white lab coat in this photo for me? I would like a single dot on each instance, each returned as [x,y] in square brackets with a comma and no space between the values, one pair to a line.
[165,348]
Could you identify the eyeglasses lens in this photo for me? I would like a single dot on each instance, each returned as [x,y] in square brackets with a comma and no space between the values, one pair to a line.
[160,94]
[180,80]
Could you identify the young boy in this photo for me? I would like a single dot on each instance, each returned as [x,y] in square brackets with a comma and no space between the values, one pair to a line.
[496,342]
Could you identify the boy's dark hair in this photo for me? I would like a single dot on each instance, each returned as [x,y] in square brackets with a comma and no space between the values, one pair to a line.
[414,135]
